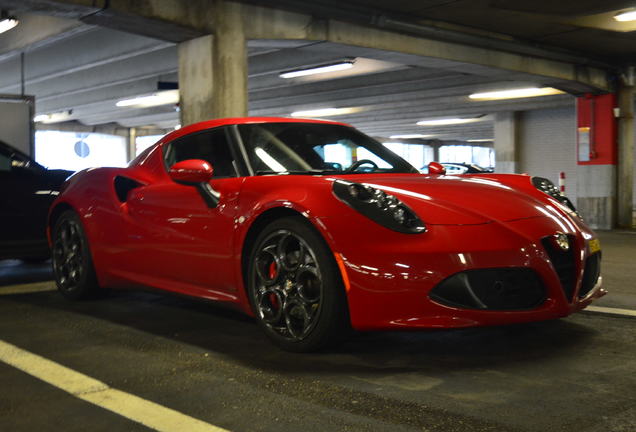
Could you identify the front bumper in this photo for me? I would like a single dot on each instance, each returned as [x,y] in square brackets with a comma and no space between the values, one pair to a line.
[390,276]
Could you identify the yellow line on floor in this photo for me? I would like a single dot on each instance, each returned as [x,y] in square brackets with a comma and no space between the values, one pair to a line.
[612,311]
[27,288]
[83,387]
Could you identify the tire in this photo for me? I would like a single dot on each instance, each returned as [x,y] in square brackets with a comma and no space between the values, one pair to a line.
[72,263]
[295,287]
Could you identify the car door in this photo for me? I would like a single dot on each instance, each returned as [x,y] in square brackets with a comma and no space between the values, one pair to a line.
[178,240]
[25,197]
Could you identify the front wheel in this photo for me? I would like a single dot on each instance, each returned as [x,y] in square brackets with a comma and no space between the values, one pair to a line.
[295,288]
[72,263]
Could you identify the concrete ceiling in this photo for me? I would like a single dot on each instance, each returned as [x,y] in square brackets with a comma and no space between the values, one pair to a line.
[83,69]
[580,27]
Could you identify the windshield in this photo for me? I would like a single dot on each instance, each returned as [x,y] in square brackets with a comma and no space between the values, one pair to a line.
[316,148]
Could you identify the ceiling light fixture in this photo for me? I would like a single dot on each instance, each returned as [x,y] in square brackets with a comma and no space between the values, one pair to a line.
[330,67]
[480,140]
[516,93]
[324,112]
[160,98]
[448,121]
[410,136]
[7,22]
[55,117]
[629,15]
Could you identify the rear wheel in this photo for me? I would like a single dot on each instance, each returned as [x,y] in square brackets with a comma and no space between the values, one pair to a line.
[72,263]
[295,287]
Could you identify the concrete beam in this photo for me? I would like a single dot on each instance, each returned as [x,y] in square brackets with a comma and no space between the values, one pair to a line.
[36,31]
[346,33]
[173,19]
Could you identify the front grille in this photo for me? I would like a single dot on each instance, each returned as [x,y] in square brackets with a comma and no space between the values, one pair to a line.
[591,274]
[515,288]
[564,264]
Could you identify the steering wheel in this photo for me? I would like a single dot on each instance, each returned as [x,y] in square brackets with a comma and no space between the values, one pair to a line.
[361,162]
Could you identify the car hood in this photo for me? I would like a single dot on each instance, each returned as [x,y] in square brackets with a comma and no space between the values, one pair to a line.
[457,200]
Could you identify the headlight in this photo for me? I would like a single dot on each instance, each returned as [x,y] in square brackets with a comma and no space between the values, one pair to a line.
[379,206]
[545,185]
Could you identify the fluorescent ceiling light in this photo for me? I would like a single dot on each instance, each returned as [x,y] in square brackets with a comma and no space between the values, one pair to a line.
[332,67]
[516,93]
[156,99]
[53,117]
[7,23]
[448,121]
[410,136]
[626,16]
[324,112]
[480,140]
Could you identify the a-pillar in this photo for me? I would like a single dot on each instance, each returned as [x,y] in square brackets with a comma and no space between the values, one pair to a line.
[506,142]
[625,169]
[213,69]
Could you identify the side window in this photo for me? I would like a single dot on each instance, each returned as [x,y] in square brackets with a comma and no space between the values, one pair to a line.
[211,146]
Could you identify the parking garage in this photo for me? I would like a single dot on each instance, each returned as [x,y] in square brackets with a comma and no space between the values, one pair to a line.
[543,89]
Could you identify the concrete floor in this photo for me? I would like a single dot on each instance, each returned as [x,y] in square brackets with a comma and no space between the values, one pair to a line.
[619,268]
[575,374]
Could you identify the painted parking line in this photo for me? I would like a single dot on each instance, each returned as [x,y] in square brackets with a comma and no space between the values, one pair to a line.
[27,288]
[83,387]
[611,311]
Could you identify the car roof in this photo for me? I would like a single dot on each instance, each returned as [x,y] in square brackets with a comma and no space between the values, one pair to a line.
[209,124]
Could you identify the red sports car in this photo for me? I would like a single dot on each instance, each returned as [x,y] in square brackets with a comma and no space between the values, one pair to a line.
[314,228]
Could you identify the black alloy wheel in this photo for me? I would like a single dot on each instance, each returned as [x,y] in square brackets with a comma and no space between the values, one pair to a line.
[72,264]
[295,287]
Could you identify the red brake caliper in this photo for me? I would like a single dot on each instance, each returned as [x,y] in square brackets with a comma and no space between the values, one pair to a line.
[272,270]
[272,274]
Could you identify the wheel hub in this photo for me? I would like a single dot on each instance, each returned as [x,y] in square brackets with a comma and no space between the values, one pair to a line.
[288,285]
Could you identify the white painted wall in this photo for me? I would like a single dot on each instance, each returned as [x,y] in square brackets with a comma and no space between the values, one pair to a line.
[15,124]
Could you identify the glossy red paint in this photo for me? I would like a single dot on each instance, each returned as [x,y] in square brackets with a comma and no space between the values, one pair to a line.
[165,236]
[191,171]
[436,168]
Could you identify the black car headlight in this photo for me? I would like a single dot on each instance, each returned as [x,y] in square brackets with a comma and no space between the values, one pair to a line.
[380,207]
[546,186]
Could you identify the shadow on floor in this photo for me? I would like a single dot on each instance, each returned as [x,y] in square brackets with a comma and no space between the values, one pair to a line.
[14,272]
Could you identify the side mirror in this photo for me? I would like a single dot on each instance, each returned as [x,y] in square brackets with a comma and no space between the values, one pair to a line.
[436,168]
[191,171]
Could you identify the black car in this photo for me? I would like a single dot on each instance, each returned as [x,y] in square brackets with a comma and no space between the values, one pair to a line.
[27,189]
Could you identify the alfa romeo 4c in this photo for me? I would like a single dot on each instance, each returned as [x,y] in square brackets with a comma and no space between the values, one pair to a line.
[314,228]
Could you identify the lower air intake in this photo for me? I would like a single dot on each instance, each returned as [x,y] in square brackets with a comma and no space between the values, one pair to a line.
[591,274]
[564,263]
[507,288]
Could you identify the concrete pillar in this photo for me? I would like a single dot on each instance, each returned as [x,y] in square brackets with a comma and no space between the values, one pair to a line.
[131,144]
[506,157]
[625,169]
[213,69]
[436,152]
